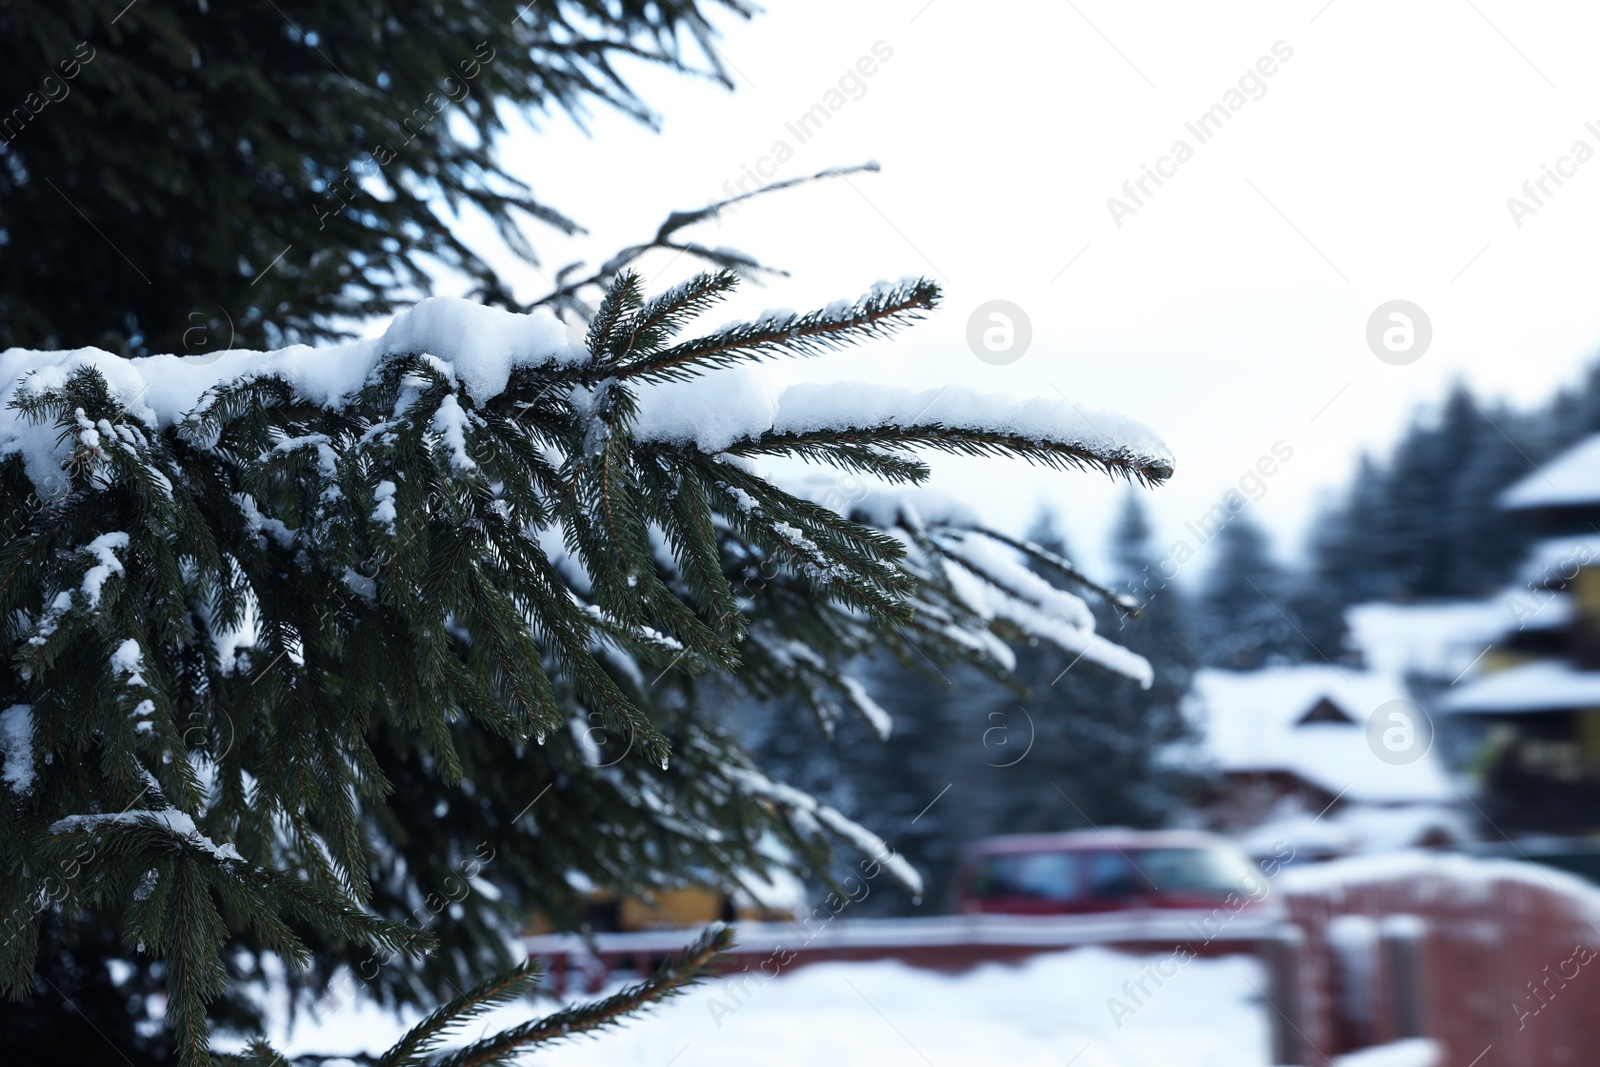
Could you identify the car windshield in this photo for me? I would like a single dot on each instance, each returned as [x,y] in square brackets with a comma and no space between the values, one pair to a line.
[1112,876]
[1208,871]
[1036,875]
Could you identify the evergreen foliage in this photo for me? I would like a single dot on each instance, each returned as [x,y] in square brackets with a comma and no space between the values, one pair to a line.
[1041,741]
[254,171]
[282,659]
[1425,522]
[1243,618]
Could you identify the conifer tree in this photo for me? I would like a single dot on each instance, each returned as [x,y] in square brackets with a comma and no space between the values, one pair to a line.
[1099,749]
[1242,615]
[269,617]
[1048,742]
[255,172]
[1425,522]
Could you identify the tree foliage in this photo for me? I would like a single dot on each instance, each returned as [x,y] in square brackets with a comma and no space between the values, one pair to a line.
[1043,740]
[179,177]
[1424,522]
[1245,615]
[260,650]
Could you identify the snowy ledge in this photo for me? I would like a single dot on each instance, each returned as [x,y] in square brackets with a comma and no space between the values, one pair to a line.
[479,347]
[1474,873]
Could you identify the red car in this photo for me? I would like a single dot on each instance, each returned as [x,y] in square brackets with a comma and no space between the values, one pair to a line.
[1112,870]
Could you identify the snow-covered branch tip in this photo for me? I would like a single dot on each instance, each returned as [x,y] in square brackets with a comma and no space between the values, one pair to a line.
[875,428]
[1128,604]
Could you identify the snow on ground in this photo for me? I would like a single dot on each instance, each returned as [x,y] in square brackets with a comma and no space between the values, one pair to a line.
[1051,1010]
[1417,1052]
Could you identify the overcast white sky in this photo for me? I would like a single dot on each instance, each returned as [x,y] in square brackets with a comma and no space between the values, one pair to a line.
[1229,312]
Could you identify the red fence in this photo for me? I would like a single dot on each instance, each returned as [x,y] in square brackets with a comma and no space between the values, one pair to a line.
[946,943]
[1488,958]
[1491,959]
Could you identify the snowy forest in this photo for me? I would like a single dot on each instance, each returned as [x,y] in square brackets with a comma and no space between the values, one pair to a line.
[454,618]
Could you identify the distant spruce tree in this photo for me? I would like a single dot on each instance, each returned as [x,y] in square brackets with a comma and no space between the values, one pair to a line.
[1242,614]
[1163,629]
[1425,523]
[1053,743]
[1099,744]
[1574,413]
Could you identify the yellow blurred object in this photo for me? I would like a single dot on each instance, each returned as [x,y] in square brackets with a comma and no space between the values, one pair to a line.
[670,909]
[1497,660]
[1586,591]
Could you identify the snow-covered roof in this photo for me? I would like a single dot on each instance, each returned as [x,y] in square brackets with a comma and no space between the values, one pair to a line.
[1439,640]
[1557,559]
[1569,480]
[1356,829]
[1548,685]
[1248,722]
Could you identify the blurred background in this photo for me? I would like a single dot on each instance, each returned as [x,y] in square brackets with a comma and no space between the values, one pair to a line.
[1366,589]
[1337,254]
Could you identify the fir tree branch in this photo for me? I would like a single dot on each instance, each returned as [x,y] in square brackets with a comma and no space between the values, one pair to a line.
[669,312]
[621,300]
[257,1054]
[358,608]
[564,297]
[827,448]
[968,441]
[881,312]
[1064,567]
[671,978]
[418,1044]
